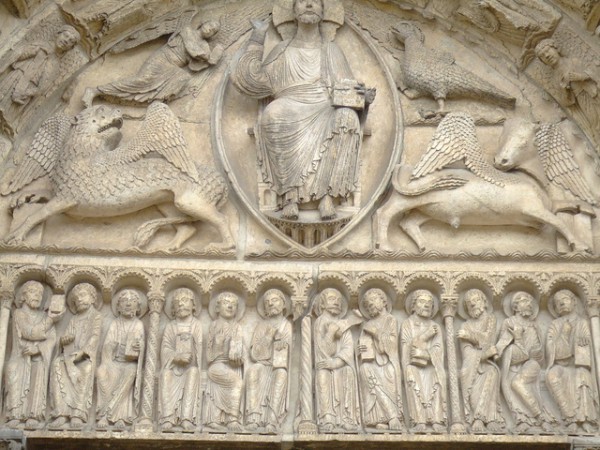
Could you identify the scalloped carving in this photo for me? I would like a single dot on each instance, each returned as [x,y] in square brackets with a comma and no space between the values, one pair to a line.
[459,282]
[526,277]
[438,278]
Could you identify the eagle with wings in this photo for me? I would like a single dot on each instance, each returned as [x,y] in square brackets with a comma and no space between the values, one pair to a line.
[93,175]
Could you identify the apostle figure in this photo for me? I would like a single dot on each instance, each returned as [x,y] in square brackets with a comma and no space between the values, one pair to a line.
[72,374]
[181,359]
[225,355]
[569,377]
[119,376]
[379,366]
[422,353]
[335,379]
[308,137]
[521,347]
[267,378]
[480,376]
[33,339]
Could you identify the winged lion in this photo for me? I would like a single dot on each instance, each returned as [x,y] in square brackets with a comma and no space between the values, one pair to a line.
[93,175]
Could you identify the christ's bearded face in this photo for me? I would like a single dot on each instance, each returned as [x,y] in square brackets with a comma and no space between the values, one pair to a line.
[308,11]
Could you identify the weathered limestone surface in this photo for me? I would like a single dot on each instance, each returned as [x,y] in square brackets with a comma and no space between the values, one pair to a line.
[299,224]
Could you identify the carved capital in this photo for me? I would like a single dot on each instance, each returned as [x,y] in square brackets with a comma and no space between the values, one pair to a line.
[449,305]
[299,305]
[593,306]
[6,299]
[156,301]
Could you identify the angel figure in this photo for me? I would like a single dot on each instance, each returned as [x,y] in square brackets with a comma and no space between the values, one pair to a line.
[166,74]
[35,68]
[92,176]
[573,85]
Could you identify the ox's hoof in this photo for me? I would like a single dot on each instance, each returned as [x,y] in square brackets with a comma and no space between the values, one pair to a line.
[580,247]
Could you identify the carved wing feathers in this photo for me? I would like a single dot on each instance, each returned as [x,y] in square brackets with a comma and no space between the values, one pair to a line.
[454,140]
[160,133]
[559,163]
[234,20]
[443,150]
[41,155]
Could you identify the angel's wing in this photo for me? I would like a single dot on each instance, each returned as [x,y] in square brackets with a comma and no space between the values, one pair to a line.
[235,20]
[559,163]
[160,133]
[161,26]
[41,156]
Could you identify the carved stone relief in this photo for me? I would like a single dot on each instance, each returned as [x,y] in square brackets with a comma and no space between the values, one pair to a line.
[379,370]
[226,355]
[33,337]
[181,360]
[333,220]
[520,346]
[569,354]
[267,379]
[336,385]
[422,352]
[119,374]
[480,375]
[369,358]
[73,369]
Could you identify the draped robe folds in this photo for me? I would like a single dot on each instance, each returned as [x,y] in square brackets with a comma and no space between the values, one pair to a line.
[180,385]
[118,380]
[71,382]
[27,376]
[518,361]
[479,375]
[162,77]
[307,147]
[380,379]
[425,385]
[267,386]
[337,389]
[225,383]
[572,373]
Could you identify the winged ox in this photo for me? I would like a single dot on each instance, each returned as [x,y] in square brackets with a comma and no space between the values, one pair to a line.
[479,194]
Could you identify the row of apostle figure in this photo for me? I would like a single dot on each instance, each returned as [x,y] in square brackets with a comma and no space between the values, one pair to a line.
[372,373]
[360,380]
[61,372]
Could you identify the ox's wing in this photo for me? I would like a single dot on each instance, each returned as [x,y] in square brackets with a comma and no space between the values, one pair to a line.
[453,138]
[160,133]
[41,155]
[559,163]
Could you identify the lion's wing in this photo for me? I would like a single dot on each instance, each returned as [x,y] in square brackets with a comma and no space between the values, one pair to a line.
[160,133]
[41,156]
[559,163]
